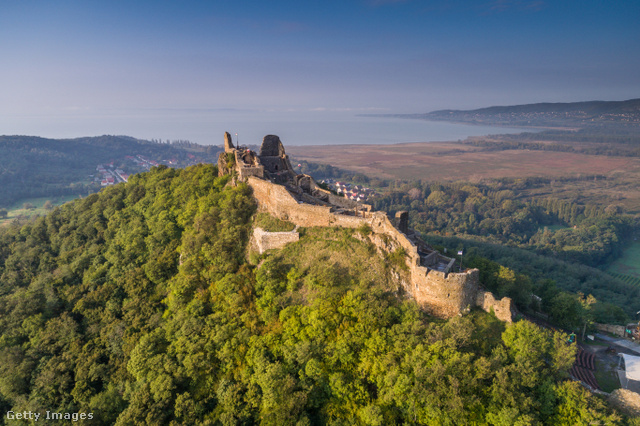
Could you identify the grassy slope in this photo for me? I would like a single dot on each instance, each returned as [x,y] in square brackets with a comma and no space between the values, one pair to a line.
[337,251]
[629,263]
[16,210]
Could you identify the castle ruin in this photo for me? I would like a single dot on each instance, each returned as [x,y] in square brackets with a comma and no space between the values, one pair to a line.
[279,190]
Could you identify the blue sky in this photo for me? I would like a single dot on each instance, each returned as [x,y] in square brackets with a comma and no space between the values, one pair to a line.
[103,61]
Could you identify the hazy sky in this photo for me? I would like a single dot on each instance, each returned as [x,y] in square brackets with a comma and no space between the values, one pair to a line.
[89,62]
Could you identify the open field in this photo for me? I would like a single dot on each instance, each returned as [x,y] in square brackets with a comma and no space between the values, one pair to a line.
[452,161]
[628,266]
[18,211]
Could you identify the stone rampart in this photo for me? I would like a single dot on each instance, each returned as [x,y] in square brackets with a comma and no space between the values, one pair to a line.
[442,294]
[503,308]
[273,240]
[445,295]
[280,203]
[246,171]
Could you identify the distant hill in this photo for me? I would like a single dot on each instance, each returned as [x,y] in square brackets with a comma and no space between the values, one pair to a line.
[544,114]
[32,166]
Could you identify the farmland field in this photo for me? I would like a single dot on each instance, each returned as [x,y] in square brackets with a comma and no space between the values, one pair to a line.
[628,265]
[452,161]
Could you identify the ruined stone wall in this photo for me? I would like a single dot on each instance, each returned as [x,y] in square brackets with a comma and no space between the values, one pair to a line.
[273,240]
[244,172]
[445,295]
[503,308]
[442,294]
[277,201]
[274,164]
[228,143]
[617,330]
[381,224]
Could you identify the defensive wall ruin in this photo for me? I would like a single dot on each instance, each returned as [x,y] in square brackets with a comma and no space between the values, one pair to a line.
[273,240]
[296,198]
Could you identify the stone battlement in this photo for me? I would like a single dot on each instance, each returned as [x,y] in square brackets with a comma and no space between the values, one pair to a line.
[297,199]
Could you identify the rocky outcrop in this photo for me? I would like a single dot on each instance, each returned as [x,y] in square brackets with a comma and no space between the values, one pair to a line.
[226,163]
[627,401]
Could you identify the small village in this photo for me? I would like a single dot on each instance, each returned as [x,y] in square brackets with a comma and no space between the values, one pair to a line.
[351,191]
[109,174]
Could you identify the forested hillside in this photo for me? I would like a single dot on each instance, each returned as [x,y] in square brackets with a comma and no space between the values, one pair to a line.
[543,239]
[138,305]
[39,167]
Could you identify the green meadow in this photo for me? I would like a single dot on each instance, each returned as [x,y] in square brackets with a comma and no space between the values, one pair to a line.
[628,264]
[31,207]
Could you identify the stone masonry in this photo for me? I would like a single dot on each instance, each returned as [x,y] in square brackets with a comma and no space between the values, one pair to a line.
[296,198]
[273,240]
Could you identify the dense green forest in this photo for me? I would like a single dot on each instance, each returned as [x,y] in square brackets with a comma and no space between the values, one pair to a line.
[542,238]
[590,234]
[138,305]
[38,167]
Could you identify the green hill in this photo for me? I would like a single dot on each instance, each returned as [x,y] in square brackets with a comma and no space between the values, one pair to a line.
[38,167]
[137,306]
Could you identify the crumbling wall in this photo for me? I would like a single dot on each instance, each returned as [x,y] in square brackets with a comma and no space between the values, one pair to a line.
[276,200]
[245,171]
[617,330]
[503,308]
[442,294]
[228,143]
[274,164]
[445,295]
[274,158]
[273,240]
[271,147]
[402,221]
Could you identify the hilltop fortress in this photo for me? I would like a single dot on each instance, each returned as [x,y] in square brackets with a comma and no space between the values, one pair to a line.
[431,279]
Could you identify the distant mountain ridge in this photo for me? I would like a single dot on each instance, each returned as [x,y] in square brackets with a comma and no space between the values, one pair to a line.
[543,114]
[589,107]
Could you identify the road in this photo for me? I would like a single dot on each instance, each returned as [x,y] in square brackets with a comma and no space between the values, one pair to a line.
[633,347]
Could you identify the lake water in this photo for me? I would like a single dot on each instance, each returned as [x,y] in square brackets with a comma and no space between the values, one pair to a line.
[208,126]
[333,129]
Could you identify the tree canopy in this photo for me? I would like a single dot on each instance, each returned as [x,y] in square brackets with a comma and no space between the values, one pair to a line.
[138,304]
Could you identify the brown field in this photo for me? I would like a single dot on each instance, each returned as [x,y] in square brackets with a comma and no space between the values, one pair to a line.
[451,161]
